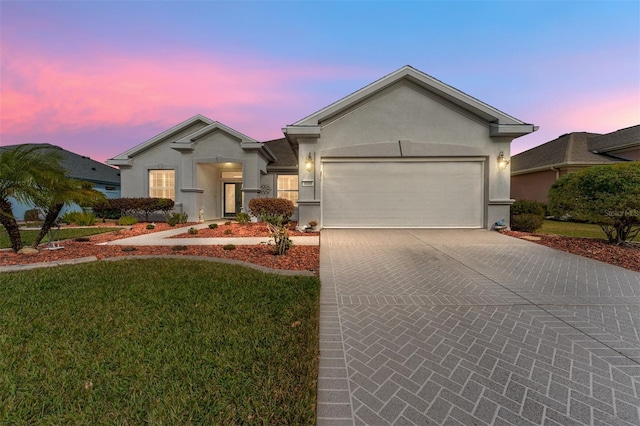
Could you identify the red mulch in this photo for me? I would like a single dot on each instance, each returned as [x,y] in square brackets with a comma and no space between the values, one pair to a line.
[627,256]
[299,258]
[241,230]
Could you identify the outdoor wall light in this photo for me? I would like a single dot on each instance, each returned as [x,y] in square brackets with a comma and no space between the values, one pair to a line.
[308,163]
[502,162]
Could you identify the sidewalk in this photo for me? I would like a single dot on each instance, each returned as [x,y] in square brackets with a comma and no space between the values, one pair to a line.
[163,238]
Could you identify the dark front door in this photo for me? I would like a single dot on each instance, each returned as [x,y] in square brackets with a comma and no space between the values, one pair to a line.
[232,199]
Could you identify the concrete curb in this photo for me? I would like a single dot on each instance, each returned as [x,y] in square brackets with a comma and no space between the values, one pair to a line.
[31,266]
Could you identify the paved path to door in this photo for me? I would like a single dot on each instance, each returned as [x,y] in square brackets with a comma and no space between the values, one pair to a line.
[470,327]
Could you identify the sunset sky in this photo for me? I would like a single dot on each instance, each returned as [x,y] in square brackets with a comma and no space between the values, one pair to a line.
[98,78]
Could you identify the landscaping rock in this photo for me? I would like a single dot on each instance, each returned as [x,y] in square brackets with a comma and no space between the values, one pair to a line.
[27,250]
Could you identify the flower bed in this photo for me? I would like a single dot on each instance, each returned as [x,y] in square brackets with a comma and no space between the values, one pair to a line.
[299,258]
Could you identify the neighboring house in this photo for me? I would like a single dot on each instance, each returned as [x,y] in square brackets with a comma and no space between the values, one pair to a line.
[404,151]
[534,171]
[105,179]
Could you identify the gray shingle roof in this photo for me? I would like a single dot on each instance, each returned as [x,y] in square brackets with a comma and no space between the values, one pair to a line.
[286,156]
[616,140]
[568,149]
[81,167]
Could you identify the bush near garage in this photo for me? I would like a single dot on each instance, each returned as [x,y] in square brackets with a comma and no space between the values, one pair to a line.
[272,207]
[608,196]
[526,222]
[528,207]
[275,212]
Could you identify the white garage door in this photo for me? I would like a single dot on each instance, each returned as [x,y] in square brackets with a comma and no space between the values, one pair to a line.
[398,194]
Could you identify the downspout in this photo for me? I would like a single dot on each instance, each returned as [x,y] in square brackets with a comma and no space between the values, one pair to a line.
[557,172]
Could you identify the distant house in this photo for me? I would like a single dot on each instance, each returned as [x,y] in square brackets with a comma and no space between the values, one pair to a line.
[534,171]
[105,179]
[405,151]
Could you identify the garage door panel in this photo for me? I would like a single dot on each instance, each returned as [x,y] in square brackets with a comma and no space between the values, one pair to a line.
[402,194]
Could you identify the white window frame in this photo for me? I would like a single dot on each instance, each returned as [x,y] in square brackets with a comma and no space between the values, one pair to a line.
[167,189]
[282,191]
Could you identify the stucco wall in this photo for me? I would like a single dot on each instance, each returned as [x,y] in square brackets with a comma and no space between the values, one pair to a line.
[405,120]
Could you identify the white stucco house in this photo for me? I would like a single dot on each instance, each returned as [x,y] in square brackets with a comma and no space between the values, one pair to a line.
[404,151]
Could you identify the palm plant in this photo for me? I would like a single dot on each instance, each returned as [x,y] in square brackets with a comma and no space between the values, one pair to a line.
[24,171]
[55,195]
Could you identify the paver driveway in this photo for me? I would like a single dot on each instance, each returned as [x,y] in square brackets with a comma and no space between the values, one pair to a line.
[470,327]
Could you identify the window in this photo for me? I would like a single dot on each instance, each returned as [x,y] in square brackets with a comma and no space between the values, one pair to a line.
[288,188]
[162,184]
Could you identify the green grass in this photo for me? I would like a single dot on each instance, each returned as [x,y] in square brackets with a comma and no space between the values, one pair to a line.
[28,236]
[157,341]
[572,229]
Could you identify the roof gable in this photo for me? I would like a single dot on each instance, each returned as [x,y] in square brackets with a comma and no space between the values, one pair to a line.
[433,85]
[123,158]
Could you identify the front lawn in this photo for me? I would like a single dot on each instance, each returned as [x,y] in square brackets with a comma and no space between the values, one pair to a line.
[28,236]
[573,229]
[157,341]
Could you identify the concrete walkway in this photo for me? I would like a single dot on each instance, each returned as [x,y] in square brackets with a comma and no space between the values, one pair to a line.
[163,238]
[470,327]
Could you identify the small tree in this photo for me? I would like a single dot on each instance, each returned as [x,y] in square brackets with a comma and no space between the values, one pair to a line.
[275,212]
[55,195]
[605,195]
[24,171]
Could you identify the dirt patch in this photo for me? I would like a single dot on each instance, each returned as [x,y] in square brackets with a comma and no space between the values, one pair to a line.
[627,256]
[299,258]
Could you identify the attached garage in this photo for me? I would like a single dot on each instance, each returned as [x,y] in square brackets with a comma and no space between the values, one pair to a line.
[388,193]
[406,151]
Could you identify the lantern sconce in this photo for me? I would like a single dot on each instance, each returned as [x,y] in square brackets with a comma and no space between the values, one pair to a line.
[502,162]
[308,163]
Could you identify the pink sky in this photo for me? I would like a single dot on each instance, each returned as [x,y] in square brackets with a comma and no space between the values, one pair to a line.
[100,78]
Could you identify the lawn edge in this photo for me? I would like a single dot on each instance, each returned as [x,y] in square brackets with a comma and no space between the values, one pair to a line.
[31,266]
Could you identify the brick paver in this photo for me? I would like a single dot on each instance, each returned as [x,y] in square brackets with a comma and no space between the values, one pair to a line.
[473,327]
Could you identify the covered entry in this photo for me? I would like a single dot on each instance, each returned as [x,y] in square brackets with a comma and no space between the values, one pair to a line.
[418,193]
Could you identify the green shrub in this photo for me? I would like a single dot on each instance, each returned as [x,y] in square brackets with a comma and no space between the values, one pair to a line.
[127,221]
[151,226]
[227,223]
[85,219]
[228,232]
[272,207]
[213,226]
[243,217]
[175,218]
[608,196]
[193,231]
[104,210]
[528,207]
[228,247]
[129,248]
[526,222]
[138,207]
[68,217]
[79,218]
[32,215]
[179,248]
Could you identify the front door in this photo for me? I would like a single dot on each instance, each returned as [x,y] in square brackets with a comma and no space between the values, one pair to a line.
[232,199]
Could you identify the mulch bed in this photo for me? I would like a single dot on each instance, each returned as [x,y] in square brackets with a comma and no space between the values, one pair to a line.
[627,256]
[234,230]
[299,258]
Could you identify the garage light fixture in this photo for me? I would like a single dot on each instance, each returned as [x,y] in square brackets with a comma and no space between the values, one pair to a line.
[308,163]
[502,162]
